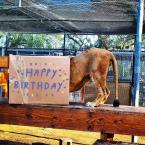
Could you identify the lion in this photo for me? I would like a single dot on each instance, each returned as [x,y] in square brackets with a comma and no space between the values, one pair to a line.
[93,65]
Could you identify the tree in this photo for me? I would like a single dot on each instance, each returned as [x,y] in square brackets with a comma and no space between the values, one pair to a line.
[115,41]
[2,39]
[35,40]
[55,41]
[2,34]
[27,40]
[79,42]
[123,41]
[103,41]
[109,42]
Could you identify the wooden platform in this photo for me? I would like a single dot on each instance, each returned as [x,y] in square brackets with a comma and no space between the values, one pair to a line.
[122,120]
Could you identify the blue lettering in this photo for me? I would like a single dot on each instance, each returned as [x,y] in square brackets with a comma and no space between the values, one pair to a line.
[36,73]
[29,72]
[46,86]
[22,85]
[59,86]
[53,86]
[16,84]
[39,85]
[48,71]
[54,73]
[43,70]
[26,85]
[32,83]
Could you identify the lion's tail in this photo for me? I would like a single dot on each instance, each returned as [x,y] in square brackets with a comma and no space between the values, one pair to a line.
[115,70]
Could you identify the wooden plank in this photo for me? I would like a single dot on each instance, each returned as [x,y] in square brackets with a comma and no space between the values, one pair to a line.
[4,61]
[122,120]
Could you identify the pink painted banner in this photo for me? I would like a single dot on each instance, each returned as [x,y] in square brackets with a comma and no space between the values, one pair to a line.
[39,79]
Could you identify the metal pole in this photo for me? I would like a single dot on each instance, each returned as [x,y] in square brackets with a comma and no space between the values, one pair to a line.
[64,43]
[7,43]
[138,54]
[20,3]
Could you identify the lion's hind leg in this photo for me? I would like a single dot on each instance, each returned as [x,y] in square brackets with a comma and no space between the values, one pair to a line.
[104,98]
[102,90]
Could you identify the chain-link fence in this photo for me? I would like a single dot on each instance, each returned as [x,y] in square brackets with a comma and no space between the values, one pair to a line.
[125,63]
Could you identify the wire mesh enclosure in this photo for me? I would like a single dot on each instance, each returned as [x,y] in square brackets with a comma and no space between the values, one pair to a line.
[71,16]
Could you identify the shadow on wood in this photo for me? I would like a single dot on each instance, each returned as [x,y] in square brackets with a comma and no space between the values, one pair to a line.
[39,143]
[102,142]
[7,142]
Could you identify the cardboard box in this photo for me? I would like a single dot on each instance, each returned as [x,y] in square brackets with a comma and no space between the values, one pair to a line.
[39,79]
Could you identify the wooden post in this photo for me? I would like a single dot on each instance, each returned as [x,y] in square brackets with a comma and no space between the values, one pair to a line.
[64,141]
[107,136]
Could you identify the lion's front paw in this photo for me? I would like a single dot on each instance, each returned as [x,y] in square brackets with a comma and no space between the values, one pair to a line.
[92,104]
[88,104]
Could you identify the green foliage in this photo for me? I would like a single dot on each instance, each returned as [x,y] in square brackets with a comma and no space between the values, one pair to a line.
[72,41]
[80,41]
[35,40]
[2,34]
[27,40]
[115,41]
[55,41]
[123,41]
[101,41]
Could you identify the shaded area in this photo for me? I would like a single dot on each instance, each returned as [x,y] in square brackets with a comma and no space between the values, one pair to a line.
[102,142]
[38,143]
[7,142]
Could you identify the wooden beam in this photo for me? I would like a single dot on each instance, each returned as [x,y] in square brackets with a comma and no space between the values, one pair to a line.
[107,119]
[4,61]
